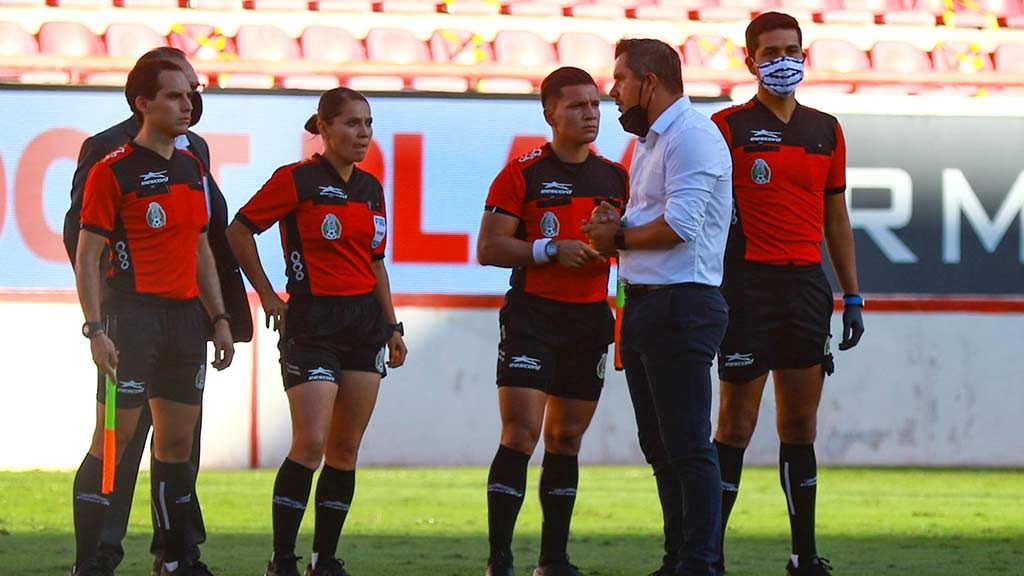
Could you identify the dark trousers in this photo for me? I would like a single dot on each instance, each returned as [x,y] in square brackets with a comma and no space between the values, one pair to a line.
[669,339]
[115,521]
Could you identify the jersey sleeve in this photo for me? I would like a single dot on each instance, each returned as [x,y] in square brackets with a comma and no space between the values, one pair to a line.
[276,199]
[507,193]
[380,229]
[101,201]
[719,119]
[835,183]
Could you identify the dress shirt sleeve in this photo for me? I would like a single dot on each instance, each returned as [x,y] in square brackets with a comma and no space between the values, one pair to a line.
[694,162]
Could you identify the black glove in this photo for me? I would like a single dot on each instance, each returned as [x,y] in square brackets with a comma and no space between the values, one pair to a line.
[853,325]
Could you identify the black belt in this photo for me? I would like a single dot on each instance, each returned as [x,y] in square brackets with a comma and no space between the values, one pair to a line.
[641,290]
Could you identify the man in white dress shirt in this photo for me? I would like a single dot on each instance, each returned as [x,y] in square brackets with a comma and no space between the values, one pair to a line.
[671,244]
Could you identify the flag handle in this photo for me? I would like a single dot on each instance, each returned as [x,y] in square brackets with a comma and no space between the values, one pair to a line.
[620,302]
[109,436]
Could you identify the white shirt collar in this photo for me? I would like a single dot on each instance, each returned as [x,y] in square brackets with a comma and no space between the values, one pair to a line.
[670,115]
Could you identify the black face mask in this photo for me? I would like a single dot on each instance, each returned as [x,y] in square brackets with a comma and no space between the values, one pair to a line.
[197,108]
[634,120]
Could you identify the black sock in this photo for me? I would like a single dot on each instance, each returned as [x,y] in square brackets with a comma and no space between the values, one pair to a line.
[559,477]
[89,508]
[506,484]
[730,462]
[173,489]
[798,473]
[291,493]
[670,493]
[334,490]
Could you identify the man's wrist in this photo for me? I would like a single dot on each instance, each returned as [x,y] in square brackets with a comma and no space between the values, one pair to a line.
[853,300]
[223,316]
[92,329]
[620,238]
[540,255]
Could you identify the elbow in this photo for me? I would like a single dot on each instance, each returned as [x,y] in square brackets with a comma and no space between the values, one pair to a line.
[484,252]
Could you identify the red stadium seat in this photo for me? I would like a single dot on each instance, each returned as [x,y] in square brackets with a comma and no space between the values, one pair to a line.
[344,5]
[326,43]
[215,4]
[587,51]
[915,13]
[470,7]
[267,43]
[1009,58]
[834,55]
[396,46]
[522,48]
[459,47]
[79,3]
[69,40]
[406,6]
[132,40]
[595,10]
[201,41]
[28,3]
[166,4]
[282,5]
[713,52]
[15,41]
[960,57]
[899,57]
[536,8]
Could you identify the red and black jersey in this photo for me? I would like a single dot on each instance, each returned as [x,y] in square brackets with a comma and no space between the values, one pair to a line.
[151,210]
[552,199]
[331,230]
[781,175]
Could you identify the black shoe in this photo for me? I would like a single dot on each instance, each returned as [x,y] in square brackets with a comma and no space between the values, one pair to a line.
[500,566]
[559,569]
[665,570]
[200,569]
[816,566]
[283,566]
[94,567]
[327,567]
[187,569]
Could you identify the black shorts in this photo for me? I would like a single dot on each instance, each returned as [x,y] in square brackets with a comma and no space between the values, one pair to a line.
[779,318]
[161,349]
[556,347]
[325,335]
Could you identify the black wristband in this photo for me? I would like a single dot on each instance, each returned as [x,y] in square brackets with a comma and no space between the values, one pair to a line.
[397,328]
[620,238]
[222,316]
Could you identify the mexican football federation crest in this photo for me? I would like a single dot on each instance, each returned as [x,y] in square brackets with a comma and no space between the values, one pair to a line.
[761,173]
[155,216]
[331,228]
[549,225]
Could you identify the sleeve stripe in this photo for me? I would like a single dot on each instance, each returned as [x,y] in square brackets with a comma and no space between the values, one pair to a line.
[377,257]
[497,210]
[836,190]
[97,230]
[249,223]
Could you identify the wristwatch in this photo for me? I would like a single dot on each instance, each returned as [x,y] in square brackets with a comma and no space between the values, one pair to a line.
[91,329]
[397,328]
[222,316]
[551,250]
[620,238]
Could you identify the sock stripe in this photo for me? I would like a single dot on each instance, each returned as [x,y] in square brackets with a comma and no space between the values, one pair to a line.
[163,505]
[787,488]
[504,489]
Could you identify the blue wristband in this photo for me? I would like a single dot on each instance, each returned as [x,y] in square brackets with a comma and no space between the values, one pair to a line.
[853,300]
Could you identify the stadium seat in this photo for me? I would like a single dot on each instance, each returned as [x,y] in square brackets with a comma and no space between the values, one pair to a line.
[395,46]
[79,3]
[132,40]
[267,43]
[312,82]
[15,41]
[215,4]
[595,10]
[535,8]
[201,41]
[915,13]
[330,44]
[834,55]
[713,52]
[587,51]
[405,6]
[470,7]
[854,12]
[280,5]
[1009,58]
[899,57]
[164,4]
[361,6]
[522,48]
[22,3]
[459,47]
[960,57]
[68,40]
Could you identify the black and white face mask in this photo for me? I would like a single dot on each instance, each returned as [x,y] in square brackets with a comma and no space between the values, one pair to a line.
[781,75]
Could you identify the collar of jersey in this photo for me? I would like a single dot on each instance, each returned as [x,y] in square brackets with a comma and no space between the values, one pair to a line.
[326,164]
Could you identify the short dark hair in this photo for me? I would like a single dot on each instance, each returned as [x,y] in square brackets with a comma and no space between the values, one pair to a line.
[331,104]
[144,80]
[158,53]
[766,22]
[551,86]
[647,55]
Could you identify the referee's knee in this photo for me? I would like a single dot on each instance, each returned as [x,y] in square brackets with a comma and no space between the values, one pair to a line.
[734,431]
[565,441]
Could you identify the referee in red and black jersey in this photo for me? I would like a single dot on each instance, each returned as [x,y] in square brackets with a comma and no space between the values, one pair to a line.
[338,328]
[556,324]
[789,179]
[146,203]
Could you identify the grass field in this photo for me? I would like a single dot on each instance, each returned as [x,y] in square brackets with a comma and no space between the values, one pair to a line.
[432,522]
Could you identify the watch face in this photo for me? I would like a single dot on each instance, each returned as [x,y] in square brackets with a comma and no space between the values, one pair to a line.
[551,249]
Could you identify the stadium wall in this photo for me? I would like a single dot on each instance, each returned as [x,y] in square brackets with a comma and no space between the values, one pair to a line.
[937,202]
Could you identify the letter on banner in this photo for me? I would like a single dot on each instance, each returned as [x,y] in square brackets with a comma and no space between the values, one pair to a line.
[880,223]
[958,198]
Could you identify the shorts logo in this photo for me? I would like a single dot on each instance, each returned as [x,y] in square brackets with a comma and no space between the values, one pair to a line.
[380,229]
[380,358]
[531,155]
[556,188]
[332,192]
[737,360]
[155,216]
[600,366]
[150,178]
[131,387]
[760,173]
[765,136]
[549,225]
[293,369]
[331,228]
[321,373]
[524,362]
[201,377]
[121,249]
